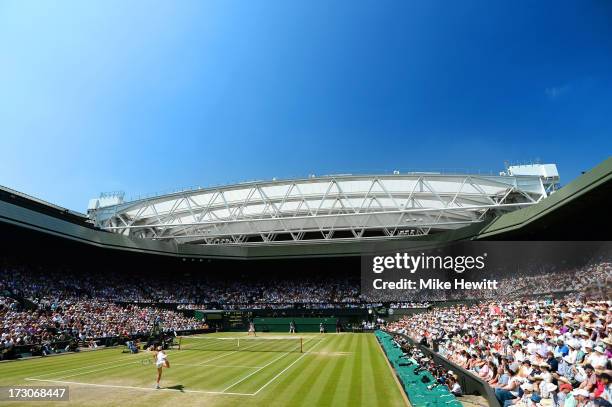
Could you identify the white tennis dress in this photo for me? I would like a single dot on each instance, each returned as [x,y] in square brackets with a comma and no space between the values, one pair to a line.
[161,359]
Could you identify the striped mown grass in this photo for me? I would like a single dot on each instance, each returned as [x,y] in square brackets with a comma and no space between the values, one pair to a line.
[335,370]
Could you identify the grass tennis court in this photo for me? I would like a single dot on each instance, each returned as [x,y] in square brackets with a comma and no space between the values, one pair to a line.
[333,370]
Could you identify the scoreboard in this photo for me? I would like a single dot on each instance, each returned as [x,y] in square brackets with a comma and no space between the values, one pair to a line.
[231,320]
[235,320]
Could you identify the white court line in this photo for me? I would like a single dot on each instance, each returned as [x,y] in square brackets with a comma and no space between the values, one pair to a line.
[139,388]
[251,374]
[85,366]
[287,368]
[222,392]
[266,365]
[123,364]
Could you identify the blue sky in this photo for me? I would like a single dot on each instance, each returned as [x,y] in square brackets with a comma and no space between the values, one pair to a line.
[149,96]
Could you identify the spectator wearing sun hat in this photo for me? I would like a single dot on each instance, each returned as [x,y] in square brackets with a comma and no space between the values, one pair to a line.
[544,379]
[587,348]
[526,392]
[597,358]
[581,397]
[572,354]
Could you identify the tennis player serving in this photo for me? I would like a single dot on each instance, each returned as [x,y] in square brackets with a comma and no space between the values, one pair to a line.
[161,361]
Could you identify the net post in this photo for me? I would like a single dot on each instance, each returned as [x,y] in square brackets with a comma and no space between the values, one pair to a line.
[301,345]
[180,340]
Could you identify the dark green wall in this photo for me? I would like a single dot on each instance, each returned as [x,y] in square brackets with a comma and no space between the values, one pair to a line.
[301,324]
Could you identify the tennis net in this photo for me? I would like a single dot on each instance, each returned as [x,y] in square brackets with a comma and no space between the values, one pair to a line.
[241,344]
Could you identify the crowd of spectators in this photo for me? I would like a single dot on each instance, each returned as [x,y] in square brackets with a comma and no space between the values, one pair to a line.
[59,303]
[39,308]
[323,290]
[526,350]
[190,293]
[590,281]
[56,320]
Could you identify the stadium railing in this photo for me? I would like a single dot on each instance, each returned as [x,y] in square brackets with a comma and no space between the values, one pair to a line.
[421,388]
[470,383]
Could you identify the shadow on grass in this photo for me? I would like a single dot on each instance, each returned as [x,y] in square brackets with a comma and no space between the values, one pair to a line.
[178,387]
